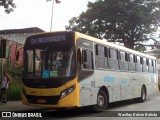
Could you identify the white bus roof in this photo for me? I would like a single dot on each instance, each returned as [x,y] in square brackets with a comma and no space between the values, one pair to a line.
[110,44]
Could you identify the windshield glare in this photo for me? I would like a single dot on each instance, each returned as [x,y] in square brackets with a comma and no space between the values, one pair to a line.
[48,62]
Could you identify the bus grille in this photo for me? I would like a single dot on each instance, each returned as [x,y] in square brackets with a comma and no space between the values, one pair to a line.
[48,99]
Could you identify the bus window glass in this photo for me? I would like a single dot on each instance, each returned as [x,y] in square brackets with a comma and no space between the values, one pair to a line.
[30,60]
[122,56]
[131,59]
[38,62]
[132,62]
[113,59]
[138,59]
[52,62]
[96,49]
[87,59]
[154,66]
[100,50]
[144,61]
[141,60]
[113,54]
[106,52]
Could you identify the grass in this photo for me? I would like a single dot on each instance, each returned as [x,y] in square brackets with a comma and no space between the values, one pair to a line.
[14,90]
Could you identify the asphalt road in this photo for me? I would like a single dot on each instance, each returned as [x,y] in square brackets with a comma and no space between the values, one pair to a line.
[124,110]
[149,110]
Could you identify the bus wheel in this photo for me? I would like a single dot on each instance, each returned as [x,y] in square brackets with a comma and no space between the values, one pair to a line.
[143,94]
[102,102]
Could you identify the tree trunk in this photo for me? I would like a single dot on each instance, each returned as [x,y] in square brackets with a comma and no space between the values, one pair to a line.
[129,43]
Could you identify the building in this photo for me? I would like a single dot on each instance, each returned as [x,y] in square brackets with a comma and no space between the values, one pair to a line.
[19,35]
[15,39]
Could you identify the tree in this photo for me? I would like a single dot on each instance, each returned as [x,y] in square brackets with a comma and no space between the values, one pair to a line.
[130,22]
[8,5]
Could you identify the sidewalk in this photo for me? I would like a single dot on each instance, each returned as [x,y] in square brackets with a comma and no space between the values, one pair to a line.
[13,106]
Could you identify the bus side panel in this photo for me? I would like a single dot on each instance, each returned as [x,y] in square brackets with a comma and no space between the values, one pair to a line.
[126,84]
[135,84]
[153,83]
[121,85]
[109,79]
[88,92]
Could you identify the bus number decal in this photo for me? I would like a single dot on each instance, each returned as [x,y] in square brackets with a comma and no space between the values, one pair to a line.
[109,79]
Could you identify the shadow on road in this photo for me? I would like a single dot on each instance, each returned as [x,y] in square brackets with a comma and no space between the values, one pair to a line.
[84,111]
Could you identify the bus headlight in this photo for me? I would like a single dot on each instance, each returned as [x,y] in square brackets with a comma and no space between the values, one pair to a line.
[67,91]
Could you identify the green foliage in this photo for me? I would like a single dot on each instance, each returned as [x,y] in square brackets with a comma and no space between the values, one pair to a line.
[125,21]
[140,48]
[14,93]
[8,5]
[14,90]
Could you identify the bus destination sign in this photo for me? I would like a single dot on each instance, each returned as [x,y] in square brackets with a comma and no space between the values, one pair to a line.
[47,39]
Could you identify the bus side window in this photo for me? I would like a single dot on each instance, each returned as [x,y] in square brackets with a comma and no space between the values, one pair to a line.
[101,57]
[79,58]
[85,59]
[85,63]
[123,61]
[85,56]
[154,66]
[132,61]
[113,59]
[145,65]
[139,64]
[150,66]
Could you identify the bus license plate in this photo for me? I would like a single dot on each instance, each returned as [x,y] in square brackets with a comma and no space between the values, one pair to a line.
[41,101]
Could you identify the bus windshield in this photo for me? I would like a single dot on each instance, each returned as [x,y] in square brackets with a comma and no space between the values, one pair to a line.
[50,62]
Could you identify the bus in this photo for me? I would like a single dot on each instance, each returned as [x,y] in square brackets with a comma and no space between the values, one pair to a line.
[69,69]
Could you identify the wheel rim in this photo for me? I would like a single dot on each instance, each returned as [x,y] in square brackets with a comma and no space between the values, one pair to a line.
[143,94]
[101,101]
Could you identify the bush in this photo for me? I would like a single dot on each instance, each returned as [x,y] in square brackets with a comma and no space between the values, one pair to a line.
[14,91]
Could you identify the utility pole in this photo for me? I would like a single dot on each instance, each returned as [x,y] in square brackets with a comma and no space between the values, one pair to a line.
[57,2]
[52,15]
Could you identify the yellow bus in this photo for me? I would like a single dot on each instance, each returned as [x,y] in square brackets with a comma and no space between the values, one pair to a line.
[69,69]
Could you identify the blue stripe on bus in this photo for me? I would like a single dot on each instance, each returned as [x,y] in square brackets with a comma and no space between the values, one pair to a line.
[109,79]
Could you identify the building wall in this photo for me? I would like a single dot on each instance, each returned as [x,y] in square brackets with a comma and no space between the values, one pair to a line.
[11,51]
[20,38]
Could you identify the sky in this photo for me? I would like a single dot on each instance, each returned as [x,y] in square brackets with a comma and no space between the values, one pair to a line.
[37,13]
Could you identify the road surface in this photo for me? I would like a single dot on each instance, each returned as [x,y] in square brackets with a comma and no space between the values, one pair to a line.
[149,110]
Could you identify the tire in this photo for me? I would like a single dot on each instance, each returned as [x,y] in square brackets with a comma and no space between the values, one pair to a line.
[143,95]
[102,102]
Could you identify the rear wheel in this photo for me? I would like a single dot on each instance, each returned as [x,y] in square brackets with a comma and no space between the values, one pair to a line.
[102,102]
[143,94]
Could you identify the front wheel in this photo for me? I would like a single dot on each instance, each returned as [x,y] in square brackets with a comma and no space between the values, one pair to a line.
[102,102]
